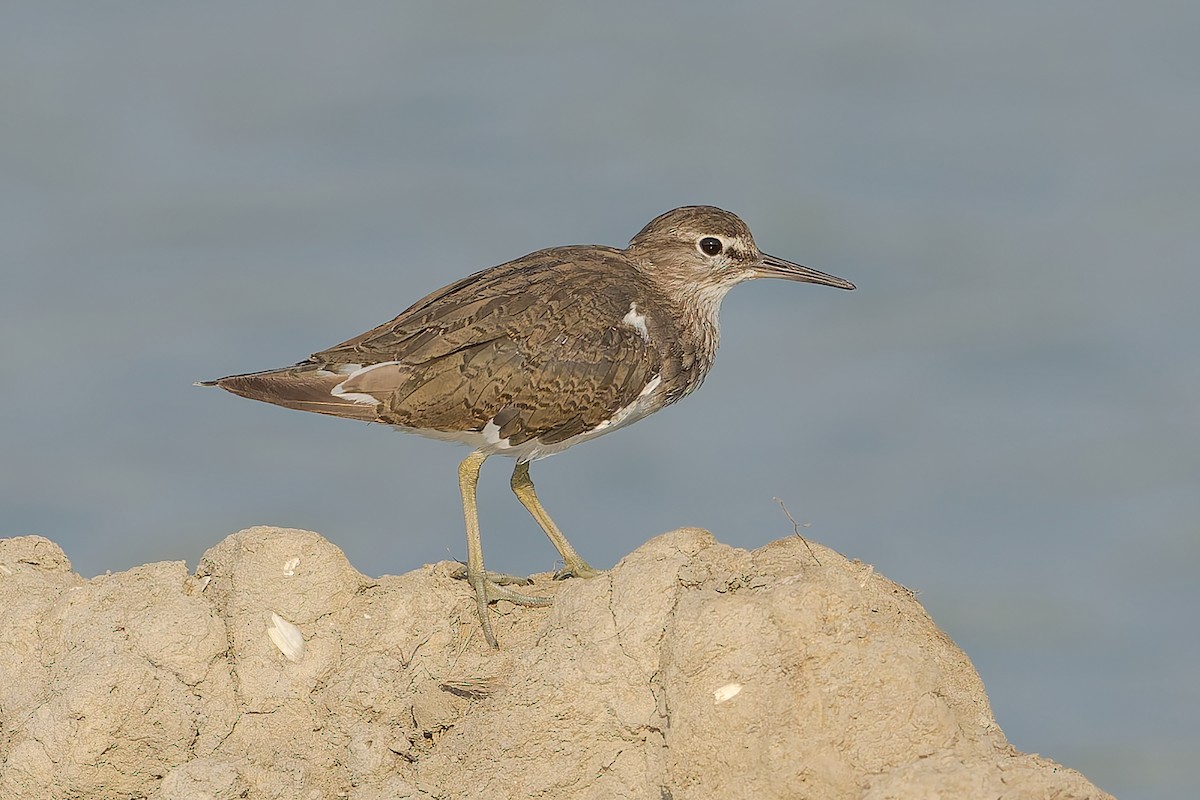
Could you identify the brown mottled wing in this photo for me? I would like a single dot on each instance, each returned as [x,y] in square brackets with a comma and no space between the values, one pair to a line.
[536,346]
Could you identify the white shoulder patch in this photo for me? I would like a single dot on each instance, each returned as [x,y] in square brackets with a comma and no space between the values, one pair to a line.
[637,321]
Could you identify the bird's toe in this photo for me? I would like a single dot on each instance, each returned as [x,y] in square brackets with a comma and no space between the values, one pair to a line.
[577,569]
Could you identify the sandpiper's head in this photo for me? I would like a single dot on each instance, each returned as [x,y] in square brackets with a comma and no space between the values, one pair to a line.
[709,248]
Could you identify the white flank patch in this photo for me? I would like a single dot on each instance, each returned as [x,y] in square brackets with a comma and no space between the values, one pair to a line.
[651,386]
[636,321]
[358,397]
[726,693]
[491,435]
[287,637]
[633,410]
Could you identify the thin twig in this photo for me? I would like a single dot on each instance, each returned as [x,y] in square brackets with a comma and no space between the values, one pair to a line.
[796,528]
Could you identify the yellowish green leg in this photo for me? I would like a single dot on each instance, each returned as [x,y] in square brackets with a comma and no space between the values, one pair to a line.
[573,564]
[487,590]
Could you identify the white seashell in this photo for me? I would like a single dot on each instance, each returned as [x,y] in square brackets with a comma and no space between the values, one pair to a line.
[289,566]
[726,693]
[287,637]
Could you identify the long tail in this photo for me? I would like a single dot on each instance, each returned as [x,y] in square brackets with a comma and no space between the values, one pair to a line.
[304,387]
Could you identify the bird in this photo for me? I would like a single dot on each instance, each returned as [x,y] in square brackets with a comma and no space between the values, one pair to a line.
[536,355]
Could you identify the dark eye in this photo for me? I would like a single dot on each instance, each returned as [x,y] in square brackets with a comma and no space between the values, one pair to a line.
[710,246]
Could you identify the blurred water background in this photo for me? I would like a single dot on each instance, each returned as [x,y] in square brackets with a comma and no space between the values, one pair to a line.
[1004,417]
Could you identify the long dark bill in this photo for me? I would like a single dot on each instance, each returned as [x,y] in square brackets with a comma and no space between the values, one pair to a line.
[773,267]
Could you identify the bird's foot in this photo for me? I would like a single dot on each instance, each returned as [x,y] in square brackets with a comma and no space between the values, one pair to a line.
[491,587]
[577,568]
[494,591]
[499,578]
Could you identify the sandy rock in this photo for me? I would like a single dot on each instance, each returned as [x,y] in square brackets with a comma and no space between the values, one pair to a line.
[690,670]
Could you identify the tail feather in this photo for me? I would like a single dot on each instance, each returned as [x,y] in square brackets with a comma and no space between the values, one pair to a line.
[304,387]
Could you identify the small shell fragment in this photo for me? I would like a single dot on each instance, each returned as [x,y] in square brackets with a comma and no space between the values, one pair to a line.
[726,693]
[287,637]
[289,566]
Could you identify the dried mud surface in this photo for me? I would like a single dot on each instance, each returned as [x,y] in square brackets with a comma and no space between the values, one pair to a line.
[690,670]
